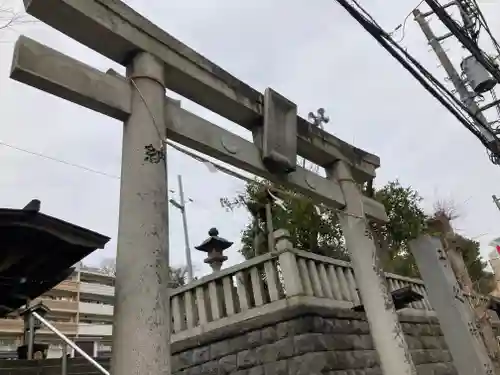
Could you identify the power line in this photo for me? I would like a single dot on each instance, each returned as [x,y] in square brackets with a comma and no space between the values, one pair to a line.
[422,75]
[211,165]
[484,23]
[465,39]
[262,182]
[58,160]
[402,26]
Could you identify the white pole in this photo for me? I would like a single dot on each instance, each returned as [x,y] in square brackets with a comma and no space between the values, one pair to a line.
[70,343]
[185,227]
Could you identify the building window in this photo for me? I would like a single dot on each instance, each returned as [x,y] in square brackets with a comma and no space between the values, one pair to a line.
[93,322]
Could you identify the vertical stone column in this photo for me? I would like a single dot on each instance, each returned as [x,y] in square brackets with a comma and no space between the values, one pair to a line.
[141,329]
[384,323]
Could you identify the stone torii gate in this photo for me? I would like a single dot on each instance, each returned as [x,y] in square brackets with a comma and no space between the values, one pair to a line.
[155,61]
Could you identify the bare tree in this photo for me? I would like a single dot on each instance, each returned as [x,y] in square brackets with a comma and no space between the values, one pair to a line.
[108,266]
[446,209]
[10,17]
[177,274]
[453,244]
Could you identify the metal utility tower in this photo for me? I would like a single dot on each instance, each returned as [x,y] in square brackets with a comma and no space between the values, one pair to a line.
[182,207]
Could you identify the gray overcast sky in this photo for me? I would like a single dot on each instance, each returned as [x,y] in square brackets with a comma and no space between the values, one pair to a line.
[310,51]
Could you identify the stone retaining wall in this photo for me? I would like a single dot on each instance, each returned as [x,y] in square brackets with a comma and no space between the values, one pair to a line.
[336,343]
[294,341]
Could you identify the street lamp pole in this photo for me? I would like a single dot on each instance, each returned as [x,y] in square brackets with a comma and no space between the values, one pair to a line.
[182,207]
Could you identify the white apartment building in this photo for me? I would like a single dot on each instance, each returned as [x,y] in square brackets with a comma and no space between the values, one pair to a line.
[81,307]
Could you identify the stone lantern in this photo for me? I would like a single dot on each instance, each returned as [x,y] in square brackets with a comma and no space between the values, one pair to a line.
[214,246]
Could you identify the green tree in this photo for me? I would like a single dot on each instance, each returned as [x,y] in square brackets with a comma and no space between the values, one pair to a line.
[311,227]
[316,229]
[406,222]
[482,280]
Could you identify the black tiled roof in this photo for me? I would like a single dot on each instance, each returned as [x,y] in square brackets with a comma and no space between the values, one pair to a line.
[37,253]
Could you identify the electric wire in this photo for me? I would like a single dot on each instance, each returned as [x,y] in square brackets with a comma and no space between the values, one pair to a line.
[58,160]
[402,25]
[471,25]
[457,103]
[424,77]
[153,118]
[385,39]
[484,23]
[466,41]
[155,123]
[253,180]
[367,15]
[196,157]
[183,150]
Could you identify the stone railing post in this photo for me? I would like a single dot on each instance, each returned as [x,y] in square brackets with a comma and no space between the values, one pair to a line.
[288,263]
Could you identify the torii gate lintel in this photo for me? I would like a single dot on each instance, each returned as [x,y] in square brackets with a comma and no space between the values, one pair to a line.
[110,94]
[116,31]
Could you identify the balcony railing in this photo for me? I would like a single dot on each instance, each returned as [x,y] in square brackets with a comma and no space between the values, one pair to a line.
[11,326]
[269,283]
[98,330]
[95,309]
[17,325]
[68,328]
[59,305]
[97,289]
[67,286]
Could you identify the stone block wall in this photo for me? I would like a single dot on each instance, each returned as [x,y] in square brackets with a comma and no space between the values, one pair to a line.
[338,343]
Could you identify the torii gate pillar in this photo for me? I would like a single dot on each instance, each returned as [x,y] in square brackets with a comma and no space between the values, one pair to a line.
[141,324]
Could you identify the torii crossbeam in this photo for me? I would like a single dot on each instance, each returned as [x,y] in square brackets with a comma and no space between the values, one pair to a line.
[156,61]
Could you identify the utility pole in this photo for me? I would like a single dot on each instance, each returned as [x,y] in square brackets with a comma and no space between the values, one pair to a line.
[466,96]
[182,207]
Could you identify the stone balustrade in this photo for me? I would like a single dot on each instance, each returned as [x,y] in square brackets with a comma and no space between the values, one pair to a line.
[266,284]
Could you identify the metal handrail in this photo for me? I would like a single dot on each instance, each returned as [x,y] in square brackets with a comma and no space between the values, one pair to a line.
[72,344]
